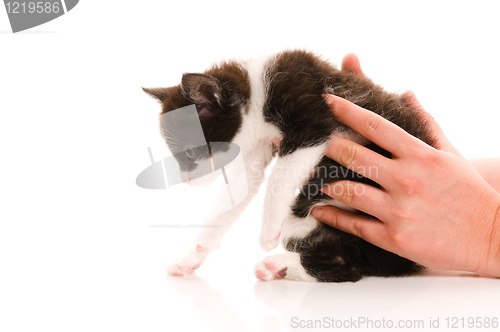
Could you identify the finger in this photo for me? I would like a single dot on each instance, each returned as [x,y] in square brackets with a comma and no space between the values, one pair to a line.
[351,63]
[360,196]
[359,159]
[380,131]
[365,227]
[437,135]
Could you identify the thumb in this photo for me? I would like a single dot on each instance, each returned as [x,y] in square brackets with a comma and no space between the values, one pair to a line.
[351,63]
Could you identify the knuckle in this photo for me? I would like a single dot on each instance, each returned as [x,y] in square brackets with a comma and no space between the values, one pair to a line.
[357,229]
[348,155]
[409,184]
[347,194]
[428,156]
[398,239]
[402,214]
[372,124]
[401,239]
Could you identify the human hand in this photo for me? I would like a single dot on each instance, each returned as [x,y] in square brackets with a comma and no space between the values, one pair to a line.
[433,207]
[351,63]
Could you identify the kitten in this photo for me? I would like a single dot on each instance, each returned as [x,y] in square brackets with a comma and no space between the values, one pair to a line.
[273,107]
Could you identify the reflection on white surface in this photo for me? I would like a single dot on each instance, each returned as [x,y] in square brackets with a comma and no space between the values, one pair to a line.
[210,305]
[411,300]
[376,298]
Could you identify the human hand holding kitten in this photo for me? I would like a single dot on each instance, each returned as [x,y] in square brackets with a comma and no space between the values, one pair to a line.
[433,206]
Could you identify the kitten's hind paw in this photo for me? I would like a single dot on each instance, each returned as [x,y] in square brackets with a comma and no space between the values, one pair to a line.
[269,271]
[282,266]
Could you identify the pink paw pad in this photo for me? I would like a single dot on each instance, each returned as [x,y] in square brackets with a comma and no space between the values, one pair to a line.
[260,274]
[271,266]
[196,266]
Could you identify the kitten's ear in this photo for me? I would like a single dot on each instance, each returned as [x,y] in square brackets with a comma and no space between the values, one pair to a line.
[157,93]
[205,91]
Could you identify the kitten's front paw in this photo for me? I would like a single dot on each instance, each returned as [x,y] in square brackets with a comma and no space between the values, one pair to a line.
[187,264]
[181,269]
[269,241]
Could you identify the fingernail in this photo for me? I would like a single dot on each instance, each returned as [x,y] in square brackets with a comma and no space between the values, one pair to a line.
[317,212]
[328,99]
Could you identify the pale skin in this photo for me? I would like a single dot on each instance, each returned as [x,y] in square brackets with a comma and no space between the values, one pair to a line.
[434,207]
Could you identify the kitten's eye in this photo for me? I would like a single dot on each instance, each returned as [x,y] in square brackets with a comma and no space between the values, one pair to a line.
[190,153]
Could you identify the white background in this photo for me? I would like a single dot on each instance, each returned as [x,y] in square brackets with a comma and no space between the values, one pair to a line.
[77,250]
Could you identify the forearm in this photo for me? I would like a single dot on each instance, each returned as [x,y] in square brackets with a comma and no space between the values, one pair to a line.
[489,168]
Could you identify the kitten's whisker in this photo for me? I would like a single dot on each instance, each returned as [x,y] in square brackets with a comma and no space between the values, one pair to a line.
[169,135]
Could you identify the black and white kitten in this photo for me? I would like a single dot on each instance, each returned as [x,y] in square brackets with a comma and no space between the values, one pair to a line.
[273,107]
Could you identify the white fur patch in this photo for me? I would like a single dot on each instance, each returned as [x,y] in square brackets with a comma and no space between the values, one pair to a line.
[255,129]
[289,173]
[295,227]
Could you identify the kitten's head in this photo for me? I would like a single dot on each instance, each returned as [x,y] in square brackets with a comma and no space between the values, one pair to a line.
[220,95]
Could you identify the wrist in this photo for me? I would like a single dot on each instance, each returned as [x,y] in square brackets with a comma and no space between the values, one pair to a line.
[491,264]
